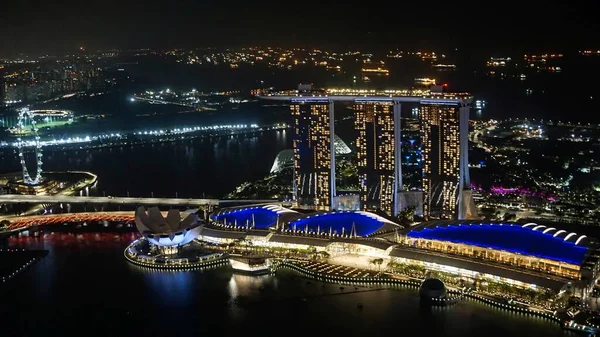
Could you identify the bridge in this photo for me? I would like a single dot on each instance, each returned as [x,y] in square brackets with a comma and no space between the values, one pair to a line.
[24,222]
[55,199]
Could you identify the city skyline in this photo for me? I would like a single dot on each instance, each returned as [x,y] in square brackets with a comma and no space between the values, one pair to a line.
[414,165]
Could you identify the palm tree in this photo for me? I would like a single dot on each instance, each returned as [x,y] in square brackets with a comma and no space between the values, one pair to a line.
[378,262]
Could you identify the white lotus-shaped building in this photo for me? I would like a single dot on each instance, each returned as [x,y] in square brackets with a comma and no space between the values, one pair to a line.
[167,231]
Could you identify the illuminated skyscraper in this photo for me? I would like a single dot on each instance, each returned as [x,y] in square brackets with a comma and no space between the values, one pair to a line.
[444,128]
[314,164]
[444,132]
[378,126]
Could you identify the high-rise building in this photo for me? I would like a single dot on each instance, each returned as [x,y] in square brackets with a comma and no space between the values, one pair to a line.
[444,129]
[376,142]
[314,178]
[443,138]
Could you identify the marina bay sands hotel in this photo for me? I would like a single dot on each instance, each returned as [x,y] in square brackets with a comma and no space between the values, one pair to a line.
[444,120]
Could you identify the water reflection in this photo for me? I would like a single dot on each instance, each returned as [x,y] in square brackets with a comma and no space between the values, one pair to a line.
[172,288]
[246,285]
[86,281]
[188,164]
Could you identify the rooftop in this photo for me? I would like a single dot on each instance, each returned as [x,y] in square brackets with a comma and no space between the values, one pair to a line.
[353,223]
[260,217]
[346,223]
[351,94]
[529,239]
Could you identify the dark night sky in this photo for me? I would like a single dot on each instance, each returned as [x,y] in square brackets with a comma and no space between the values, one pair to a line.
[495,26]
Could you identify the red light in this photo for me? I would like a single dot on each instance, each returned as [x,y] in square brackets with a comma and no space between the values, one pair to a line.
[445,84]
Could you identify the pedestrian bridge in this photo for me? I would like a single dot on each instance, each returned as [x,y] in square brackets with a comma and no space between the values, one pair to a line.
[55,199]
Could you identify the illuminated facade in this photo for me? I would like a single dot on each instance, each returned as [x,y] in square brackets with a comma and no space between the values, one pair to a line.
[313,161]
[523,255]
[376,125]
[310,107]
[528,256]
[442,162]
[167,231]
[549,266]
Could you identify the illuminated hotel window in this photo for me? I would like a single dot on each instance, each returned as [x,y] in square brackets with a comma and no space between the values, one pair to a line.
[374,122]
[312,152]
[440,139]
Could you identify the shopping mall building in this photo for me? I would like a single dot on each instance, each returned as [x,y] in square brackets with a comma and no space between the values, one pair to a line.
[522,255]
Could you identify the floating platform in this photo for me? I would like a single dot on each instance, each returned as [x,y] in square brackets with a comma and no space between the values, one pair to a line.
[254,265]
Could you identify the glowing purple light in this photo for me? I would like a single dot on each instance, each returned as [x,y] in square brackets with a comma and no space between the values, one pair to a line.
[523,191]
[503,190]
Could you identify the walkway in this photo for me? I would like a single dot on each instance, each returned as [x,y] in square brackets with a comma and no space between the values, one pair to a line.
[19,223]
[357,261]
[55,199]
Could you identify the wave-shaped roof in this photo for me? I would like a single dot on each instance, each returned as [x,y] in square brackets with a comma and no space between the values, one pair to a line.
[342,222]
[529,239]
[339,146]
[285,158]
[261,217]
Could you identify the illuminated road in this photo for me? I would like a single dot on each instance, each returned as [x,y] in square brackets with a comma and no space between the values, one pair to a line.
[54,199]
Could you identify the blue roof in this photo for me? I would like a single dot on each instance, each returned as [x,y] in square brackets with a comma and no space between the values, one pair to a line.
[264,216]
[365,223]
[508,237]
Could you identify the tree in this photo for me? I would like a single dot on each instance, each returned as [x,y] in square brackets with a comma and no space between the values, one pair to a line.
[324,255]
[4,224]
[378,262]
[311,251]
[407,215]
